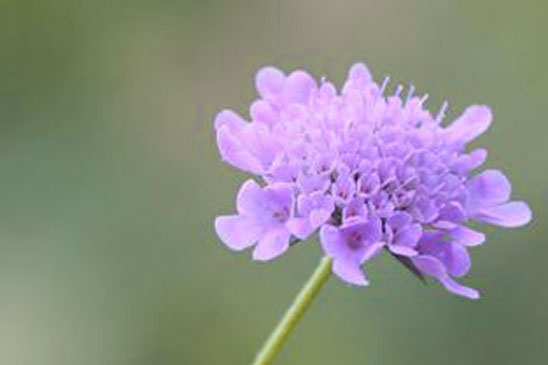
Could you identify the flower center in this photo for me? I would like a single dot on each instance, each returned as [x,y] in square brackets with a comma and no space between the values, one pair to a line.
[354,239]
[281,215]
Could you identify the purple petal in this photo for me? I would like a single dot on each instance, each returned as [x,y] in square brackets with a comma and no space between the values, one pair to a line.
[261,143]
[343,190]
[234,152]
[319,216]
[271,205]
[466,163]
[408,236]
[452,212]
[230,119]
[466,236]
[399,220]
[261,111]
[450,216]
[358,78]
[368,185]
[352,240]
[460,265]
[477,158]
[327,92]
[238,232]
[300,227]
[424,209]
[279,200]
[459,289]
[372,251]
[324,164]
[313,183]
[370,230]
[331,241]
[359,74]
[315,201]
[475,120]
[512,214]
[488,188]
[402,250]
[431,266]
[274,243]
[350,272]
[269,82]
[356,208]
[250,199]
[454,256]
[298,86]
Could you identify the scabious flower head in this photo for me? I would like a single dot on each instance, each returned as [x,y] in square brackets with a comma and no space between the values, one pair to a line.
[369,172]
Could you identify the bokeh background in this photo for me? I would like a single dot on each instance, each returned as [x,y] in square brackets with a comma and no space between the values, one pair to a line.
[110,179]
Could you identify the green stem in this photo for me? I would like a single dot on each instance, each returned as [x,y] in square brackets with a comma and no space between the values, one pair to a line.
[294,314]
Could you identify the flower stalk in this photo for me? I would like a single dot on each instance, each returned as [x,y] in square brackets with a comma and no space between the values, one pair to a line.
[294,313]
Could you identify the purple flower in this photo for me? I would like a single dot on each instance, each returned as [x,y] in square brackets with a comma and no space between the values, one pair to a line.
[365,170]
[350,245]
[402,235]
[313,211]
[262,219]
[443,259]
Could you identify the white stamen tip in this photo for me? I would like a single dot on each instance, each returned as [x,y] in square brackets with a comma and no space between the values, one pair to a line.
[398,91]
[410,93]
[442,111]
[384,85]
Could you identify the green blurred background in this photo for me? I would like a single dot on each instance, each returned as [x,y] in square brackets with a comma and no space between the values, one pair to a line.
[110,179]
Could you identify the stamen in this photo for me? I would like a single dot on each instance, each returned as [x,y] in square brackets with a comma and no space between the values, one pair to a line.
[384,85]
[409,93]
[441,113]
[398,91]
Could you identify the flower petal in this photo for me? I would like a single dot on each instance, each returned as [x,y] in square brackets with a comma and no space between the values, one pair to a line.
[250,198]
[358,78]
[409,236]
[399,220]
[488,188]
[269,82]
[238,232]
[298,86]
[300,227]
[350,272]
[230,119]
[274,243]
[466,236]
[459,289]
[360,74]
[331,240]
[319,217]
[512,214]
[261,111]
[402,250]
[355,208]
[460,263]
[372,251]
[452,212]
[431,266]
[454,256]
[475,120]
[466,163]
[234,152]
[279,199]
